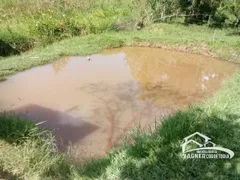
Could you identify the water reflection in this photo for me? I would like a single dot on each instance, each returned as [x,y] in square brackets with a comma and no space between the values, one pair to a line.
[173,78]
[91,104]
[120,105]
[60,65]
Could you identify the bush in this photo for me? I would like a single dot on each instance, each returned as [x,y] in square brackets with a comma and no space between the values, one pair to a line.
[215,12]
[46,21]
[62,24]
[229,13]
[16,40]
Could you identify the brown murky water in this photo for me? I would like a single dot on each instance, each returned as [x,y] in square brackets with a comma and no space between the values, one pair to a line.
[89,105]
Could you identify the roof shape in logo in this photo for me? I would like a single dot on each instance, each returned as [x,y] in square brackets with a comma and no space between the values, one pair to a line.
[206,139]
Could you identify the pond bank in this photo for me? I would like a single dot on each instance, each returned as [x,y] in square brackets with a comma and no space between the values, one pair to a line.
[90,104]
[195,39]
[153,155]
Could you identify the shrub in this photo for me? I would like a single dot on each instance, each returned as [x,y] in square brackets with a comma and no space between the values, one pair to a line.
[17,40]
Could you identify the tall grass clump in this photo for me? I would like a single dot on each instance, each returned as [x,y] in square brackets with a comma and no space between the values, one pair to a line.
[43,22]
[27,24]
[28,152]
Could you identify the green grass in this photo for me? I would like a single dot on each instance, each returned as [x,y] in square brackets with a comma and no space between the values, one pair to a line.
[28,24]
[29,153]
[196,39]
[158,155]
[50,31]
[26,154]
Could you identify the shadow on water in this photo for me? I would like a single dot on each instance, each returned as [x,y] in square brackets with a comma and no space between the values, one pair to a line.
[159,156]
[66,129]
[123,99]
[16,130]
[113,92]
[151,84]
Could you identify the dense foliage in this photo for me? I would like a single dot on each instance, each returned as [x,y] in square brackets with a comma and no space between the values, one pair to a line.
[27,24]
[213,12]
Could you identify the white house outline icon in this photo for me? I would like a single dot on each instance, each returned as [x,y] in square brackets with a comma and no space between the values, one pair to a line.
[187,141]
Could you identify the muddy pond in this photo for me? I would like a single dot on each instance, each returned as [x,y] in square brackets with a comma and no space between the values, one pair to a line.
[90,104]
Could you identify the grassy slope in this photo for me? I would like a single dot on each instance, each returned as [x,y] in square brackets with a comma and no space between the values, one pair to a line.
[193,38]
[32,23]
[153,156]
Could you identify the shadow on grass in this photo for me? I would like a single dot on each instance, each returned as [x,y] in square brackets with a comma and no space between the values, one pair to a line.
[95,168]
[6,175]
[162,152]
[6,49]
[159,156]
[234,33]
[60,169]
[153,155]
